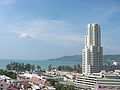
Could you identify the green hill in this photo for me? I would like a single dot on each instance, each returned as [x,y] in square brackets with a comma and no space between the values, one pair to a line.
[68,58]
[106,58]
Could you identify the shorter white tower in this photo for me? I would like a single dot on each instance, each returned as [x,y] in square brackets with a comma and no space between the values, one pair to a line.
[92,54]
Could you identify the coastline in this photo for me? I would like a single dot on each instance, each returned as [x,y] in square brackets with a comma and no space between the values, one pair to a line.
[43,63]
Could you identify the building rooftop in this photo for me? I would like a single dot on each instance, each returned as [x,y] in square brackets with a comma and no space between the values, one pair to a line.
[37,80]
[3,77]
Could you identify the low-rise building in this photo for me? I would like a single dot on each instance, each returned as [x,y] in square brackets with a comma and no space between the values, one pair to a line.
[5,83]
[38,83]
[35,81]
[99,81]
[26,76]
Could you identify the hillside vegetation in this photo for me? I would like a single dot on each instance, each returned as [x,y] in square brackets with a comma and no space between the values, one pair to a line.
[106,58]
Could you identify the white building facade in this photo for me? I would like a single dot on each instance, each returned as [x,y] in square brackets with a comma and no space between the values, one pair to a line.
[99,81]
[92,54]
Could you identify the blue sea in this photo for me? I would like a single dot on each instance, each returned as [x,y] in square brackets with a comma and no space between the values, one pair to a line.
[43,63]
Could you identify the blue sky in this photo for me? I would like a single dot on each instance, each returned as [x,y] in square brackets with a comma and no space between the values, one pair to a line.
[42,29]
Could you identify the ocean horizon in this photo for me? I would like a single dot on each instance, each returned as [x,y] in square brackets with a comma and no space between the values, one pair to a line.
[43,63]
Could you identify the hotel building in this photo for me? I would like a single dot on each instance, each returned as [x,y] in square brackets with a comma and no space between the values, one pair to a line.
[92,54]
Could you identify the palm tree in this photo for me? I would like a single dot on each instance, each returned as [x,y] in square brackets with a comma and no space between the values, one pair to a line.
[38,68]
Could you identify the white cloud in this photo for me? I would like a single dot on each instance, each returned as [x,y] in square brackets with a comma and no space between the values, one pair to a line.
[59,32]
[25,35]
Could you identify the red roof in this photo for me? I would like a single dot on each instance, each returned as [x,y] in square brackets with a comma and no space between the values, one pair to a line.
[23,77]
[14,86]
[25,83]
[37,80]
[44,74]
[74,76]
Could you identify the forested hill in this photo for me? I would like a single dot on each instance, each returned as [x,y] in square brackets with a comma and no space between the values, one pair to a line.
[79,58]
[68,58]
[112,57]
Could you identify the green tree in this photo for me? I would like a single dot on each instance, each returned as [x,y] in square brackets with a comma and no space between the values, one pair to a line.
[7,73]
[8,67]
[32,68]
[38,68]
[49,67]
[59,67]
[75,67]
[27,67]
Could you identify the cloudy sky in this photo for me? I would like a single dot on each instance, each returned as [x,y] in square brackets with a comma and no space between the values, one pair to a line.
[42,29]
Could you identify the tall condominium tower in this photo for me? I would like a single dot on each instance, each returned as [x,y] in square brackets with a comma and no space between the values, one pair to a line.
[92,54]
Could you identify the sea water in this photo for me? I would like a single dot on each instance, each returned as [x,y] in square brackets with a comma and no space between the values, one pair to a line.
[43,63]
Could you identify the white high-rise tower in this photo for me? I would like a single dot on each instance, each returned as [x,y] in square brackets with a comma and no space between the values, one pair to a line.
[92,54]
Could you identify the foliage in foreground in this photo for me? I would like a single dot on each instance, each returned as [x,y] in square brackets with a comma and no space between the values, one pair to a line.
[7,73]
[18,66]
[76,68]
[59,86]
